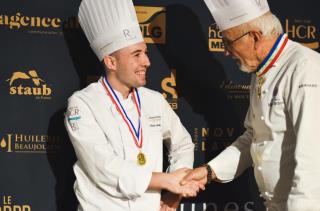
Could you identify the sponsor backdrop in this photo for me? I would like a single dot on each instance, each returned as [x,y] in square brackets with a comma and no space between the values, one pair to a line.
[45,57]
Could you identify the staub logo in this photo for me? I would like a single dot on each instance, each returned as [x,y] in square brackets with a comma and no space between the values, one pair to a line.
[28,84]
[152,21]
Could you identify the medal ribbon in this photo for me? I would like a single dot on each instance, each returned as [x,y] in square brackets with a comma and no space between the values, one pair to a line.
[136,133]
[273,55]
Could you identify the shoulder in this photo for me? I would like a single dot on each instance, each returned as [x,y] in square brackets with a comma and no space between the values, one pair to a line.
[301,60]
[90,93]
[302,55]
[150,94]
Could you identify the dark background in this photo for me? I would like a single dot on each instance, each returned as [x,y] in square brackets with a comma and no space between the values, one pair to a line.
[211,96]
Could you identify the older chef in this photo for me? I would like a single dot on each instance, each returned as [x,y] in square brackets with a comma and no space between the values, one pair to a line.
[117,127]
[282,137]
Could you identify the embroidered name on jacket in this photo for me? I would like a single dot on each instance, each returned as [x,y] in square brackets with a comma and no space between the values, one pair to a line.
[276,101]
[154,121]
[308,85]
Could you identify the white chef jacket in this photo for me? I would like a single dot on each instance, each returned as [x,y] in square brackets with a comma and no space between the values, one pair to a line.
[107,174]
[282,137]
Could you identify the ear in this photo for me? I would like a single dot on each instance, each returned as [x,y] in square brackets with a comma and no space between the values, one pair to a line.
[110,62]
[257,37]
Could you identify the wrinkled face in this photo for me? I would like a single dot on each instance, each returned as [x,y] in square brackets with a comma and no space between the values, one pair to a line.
[132,64]
[241,47]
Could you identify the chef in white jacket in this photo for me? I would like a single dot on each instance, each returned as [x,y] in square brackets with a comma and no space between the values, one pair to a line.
[117,127]
[282,136]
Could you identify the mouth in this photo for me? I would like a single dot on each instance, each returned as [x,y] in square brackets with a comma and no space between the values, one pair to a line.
[141,73]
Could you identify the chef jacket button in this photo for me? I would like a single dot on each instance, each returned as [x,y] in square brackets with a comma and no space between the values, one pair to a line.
[265,91]
[259,168]
[262,117]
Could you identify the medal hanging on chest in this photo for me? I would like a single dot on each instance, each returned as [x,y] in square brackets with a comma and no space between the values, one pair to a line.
[270,60]
[136,133]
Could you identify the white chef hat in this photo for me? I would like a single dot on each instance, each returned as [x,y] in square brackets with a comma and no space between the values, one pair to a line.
[109,25]
[231,13]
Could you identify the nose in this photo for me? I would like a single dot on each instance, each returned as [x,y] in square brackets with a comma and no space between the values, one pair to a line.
[146,61]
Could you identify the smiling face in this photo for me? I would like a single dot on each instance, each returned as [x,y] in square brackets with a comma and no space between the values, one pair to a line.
[127,67]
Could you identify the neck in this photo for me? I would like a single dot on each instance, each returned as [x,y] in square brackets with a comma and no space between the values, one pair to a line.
[118,86]
[267,44]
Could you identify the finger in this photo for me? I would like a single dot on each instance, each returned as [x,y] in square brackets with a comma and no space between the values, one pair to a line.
[201,186]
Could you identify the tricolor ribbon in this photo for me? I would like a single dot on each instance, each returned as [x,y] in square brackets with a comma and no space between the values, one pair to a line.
[273,55]
[136,133]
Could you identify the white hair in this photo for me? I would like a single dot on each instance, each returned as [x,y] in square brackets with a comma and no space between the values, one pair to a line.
[268,24]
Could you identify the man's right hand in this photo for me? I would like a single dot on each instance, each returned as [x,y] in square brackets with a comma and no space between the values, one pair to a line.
[198,174]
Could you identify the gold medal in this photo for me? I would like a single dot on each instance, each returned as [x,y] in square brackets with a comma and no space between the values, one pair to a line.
[260,83]
[141,159]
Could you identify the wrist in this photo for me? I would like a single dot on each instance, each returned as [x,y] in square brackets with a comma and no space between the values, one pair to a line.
[166,181]
[209,173]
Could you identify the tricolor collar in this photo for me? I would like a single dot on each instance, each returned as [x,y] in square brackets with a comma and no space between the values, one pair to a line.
[273,55]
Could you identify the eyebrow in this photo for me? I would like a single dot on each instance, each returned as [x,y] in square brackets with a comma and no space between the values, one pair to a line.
[136,51]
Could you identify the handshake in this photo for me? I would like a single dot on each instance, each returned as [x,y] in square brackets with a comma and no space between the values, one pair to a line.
[181,183]
[187,182]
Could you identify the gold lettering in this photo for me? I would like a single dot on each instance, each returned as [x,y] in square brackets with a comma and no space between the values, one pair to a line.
[46,90]
[1,20]
[36,91]
[203,146]
[27,138]
[7,208]
[56,22]
[13,90]
[15,21]
[27,91]
[20,90]
[43,138]
[36,21]
[46,22]
[205,132]
[25,21]
[26,208]
[19,138]
[169,89]
[7,199]
[311,32]
[299,31]
[212,32]
[288,31]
